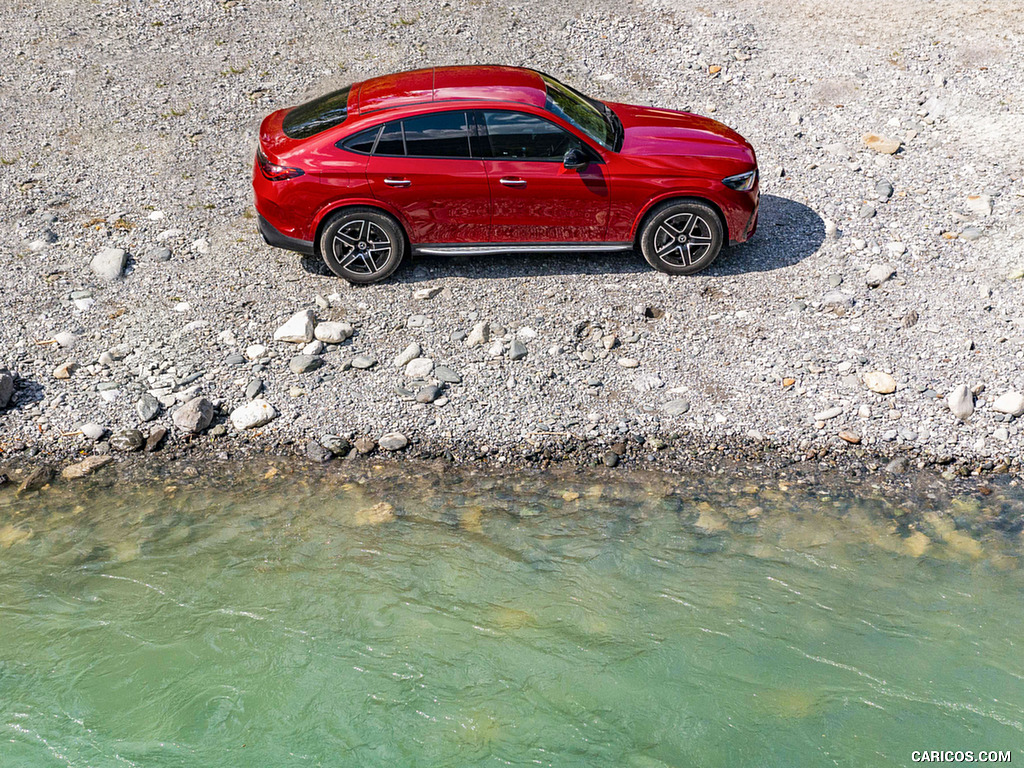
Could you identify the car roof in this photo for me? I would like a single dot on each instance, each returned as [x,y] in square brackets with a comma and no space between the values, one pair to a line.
[423,86]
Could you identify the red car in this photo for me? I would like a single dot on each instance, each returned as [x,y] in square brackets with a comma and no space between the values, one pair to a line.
[490,159]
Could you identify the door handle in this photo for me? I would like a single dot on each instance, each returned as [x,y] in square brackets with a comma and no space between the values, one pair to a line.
[509,181]
[397,182]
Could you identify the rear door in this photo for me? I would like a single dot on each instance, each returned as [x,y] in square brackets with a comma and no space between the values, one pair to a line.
[423,167]
[533,197]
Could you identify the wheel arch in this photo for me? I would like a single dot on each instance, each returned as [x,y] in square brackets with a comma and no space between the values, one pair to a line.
[329,211]
[678,197]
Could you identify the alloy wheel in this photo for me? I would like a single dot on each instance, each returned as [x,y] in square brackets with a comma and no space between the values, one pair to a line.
[362,247]
[682,239]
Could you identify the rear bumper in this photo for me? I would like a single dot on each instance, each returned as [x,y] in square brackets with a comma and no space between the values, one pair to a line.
[278,240]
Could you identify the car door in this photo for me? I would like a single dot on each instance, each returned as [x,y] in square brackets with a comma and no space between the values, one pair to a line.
[534,198]
[422,166]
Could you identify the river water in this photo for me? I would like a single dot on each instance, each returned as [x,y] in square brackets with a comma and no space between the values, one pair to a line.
[419,619]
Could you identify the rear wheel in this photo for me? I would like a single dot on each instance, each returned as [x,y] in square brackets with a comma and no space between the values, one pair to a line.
[362,245]
[682,237]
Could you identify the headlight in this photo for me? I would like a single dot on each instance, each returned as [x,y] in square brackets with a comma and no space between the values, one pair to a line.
[741,182]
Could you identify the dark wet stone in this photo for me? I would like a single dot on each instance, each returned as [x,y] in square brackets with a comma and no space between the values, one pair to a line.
[156,436]
[127,440]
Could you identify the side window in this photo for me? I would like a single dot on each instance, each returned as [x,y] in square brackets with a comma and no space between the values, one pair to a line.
[443,134]
[391,141]
[519,136]
[362,142]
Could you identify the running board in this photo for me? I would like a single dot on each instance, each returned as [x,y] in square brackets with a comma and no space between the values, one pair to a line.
[487,249]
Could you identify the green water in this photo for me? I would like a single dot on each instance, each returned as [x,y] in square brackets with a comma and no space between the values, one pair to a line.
[453,621]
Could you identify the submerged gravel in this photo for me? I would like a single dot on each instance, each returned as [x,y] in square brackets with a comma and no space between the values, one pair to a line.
[884,287]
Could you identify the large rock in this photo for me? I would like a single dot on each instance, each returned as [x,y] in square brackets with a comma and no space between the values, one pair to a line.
[1009,402]
[6,388]
[298,329]
[255,413]
[961,402]
[409,353]
[194,416]
[480,334]
[393,441]
[878,274]
[85,467]
[880,382]
[419,368]
[304,363]
[882,144]
[147,407]
[109,263]
[676,407]
[127,440]
[37,479]
[332,332]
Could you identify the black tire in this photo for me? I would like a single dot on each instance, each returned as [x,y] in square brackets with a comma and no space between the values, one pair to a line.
[682,237]
[362,245]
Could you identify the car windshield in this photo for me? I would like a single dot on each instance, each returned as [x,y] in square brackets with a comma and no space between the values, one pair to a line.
[591,117]
[317,115]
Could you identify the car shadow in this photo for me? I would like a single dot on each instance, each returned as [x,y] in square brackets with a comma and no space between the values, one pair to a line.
[788,232]
[26,393]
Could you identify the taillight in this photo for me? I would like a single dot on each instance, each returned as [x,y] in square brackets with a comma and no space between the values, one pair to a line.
[273,171]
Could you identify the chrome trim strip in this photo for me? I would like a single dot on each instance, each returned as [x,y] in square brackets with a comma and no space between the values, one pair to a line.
[498,248]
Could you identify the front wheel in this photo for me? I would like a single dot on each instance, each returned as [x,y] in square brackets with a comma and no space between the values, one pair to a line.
[682,237]
[362,245]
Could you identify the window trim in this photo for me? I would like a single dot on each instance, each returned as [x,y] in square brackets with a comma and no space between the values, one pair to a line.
[481,121]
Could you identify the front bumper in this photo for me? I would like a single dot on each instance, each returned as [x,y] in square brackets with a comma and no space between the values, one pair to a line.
[278,240]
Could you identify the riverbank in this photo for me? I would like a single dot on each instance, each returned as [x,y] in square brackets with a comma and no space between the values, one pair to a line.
[875,322]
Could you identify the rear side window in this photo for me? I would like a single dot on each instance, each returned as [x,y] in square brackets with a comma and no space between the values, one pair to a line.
[519,136]
[444,134]
[363,141]
[317,115]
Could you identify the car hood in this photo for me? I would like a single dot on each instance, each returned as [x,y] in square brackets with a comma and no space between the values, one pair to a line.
[664,132]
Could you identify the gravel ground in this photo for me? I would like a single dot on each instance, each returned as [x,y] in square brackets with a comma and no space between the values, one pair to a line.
[132,126]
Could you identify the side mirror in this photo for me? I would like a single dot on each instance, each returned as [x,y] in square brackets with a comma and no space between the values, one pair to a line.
[575,159]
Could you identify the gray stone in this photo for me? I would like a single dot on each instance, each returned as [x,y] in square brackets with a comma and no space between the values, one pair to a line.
[336,444]
[961,402]
[423,294]
[330,332]
[972,233]
[148,407]
[6,388]
[234,360]
[447,375]
[428,394]
[253,414]
[127,440]
[834,281]
[393,441]
[194,416]
[109,263]
[676,407]
[878,274]
[980,205]
[883,189]
[298,329]
[366,445]
[517,351]
[837,299]
[253,388]
[610,459]
[411,352]
[316,452]
[160,253]
[363,362]
[897,466]
[156,437]
[304,363]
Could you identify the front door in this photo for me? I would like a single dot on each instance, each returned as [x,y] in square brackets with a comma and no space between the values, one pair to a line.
[423,167]
[534,198]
